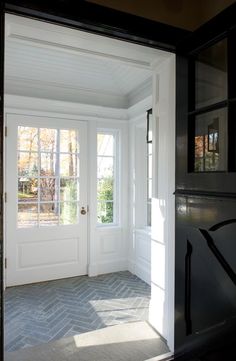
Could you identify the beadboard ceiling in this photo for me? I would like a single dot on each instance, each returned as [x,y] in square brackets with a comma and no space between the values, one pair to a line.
[46,61]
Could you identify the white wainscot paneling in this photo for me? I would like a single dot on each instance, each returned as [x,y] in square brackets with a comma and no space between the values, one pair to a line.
[57,252]
[143,255]
[112,256]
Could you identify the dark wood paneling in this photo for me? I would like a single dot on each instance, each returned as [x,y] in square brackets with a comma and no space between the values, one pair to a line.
[101,20]
[205,267]
[205,274]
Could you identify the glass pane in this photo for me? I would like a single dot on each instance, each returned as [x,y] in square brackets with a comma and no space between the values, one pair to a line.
[211,75]
[69,213]
[68,141]
[105,189]
[48,189]
[48,164]
[105,212]
[69,189]
[27,164]
[105,167]
[48,140]
[28,139]
[27,189]
[211,141]
[105,144]
[49,214]
[69,165]
[27,215]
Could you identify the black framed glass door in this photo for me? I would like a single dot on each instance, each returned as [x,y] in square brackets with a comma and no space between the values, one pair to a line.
[205,288]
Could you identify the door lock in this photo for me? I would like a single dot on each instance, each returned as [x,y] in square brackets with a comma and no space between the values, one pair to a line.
[83,211]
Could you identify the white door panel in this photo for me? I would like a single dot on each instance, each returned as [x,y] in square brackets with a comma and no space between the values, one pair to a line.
[46,186]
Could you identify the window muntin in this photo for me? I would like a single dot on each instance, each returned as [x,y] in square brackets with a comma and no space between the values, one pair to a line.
[106,178]
[48,177]
[208,109]
[211,75]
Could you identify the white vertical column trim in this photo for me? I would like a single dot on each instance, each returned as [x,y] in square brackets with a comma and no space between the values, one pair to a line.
[161,314]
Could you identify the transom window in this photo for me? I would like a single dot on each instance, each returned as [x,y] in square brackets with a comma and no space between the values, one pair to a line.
[48,176]
[106,178]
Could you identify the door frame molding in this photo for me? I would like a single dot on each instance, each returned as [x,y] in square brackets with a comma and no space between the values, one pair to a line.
[92,18]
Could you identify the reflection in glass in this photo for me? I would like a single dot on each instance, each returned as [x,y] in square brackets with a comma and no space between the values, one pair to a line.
[105,212]
[69,165]
[69,189]
[28,139]
[49,214]
[48,189]
[48,165]
[211,141]
[69,212]
[105,189]
[27,164]
[27,215]
[27,189]
[105,144]
[48,140]
[68,141]
[211,75]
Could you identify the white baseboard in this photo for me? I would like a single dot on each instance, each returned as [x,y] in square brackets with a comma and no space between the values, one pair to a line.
[92,270]
[131,266]
[108,267]
[143,271]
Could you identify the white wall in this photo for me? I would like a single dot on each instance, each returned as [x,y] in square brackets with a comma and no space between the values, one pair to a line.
[139,233]
[151,252]
[161,314]
[108,245]
[129,245]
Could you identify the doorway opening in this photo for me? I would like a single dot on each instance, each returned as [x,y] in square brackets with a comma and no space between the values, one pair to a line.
[86,193]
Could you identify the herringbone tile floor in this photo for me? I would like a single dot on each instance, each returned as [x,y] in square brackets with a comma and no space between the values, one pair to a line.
[39,313]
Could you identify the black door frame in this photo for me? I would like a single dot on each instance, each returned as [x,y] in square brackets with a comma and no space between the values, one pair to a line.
[202,192]
[86,17]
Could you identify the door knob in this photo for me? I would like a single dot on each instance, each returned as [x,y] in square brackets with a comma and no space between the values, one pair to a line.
[83,211]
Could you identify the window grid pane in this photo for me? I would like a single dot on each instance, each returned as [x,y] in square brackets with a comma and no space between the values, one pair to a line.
[106,178]
[45,196]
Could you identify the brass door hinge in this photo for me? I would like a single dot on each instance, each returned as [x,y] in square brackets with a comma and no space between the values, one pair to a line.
[5,131]
[5,262]
[5,197]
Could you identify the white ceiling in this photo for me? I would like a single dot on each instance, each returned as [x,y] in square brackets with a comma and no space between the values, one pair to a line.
[46,61]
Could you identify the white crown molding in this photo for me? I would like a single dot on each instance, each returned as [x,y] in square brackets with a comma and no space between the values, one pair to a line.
[61,92]
[140,93]
[138,110]
[55,108]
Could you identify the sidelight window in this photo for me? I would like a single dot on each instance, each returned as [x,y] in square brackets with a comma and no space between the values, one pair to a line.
[107,178]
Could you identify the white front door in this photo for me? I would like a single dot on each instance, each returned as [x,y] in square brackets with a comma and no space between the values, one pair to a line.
[46,189]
